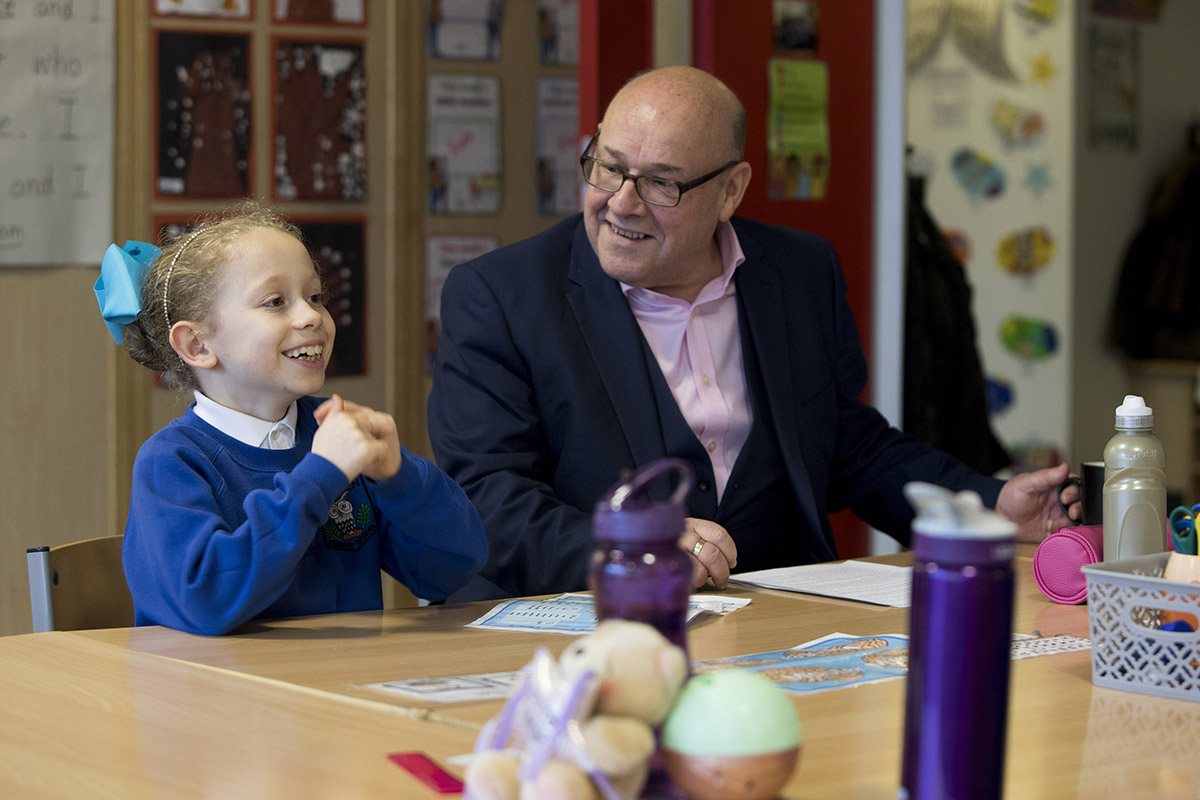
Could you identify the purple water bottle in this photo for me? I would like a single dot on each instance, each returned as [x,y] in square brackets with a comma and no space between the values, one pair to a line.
[637,571]
[960,634]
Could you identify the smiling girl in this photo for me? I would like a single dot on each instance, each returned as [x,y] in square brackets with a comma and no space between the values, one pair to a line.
[261,500]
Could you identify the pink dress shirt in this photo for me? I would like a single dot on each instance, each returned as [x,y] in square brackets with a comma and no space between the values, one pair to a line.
[699,349]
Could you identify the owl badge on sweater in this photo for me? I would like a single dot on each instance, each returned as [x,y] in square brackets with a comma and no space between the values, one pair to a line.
[351,521]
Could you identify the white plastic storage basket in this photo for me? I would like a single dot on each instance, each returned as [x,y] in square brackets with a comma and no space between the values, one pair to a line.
[1127,601]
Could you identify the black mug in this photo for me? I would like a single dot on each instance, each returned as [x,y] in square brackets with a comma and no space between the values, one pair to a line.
[1091,493]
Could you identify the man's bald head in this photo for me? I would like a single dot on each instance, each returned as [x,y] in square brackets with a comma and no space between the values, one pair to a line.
[705,99]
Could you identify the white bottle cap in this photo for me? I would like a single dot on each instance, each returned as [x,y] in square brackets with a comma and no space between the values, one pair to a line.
[942,513]
[1134,413]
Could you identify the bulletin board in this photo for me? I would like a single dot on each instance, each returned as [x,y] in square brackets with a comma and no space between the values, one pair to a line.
[501,108]
[56,131]
[287,102]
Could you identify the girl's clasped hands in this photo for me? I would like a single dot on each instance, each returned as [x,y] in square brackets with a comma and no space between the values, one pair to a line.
[356,439]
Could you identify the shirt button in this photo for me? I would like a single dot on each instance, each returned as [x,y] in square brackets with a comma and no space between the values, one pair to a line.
[711,446]
[703,486]
[705,380]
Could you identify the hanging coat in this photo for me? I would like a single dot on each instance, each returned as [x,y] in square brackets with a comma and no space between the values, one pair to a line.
[1155,304]
[945,399]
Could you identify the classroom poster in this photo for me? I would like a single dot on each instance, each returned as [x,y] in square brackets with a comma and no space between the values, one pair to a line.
[203,115]
[797,26]
[338,248]
[320,115]
[1112,103]
[228,9]
[56,132]
[464,29]
[463,144]
[442,254]
[798,129]
[557,163]
[338,12]
[558,32]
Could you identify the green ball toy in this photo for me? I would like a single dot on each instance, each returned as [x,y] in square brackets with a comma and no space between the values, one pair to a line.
[731,735]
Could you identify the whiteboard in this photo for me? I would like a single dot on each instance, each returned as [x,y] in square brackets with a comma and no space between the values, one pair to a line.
[56,131]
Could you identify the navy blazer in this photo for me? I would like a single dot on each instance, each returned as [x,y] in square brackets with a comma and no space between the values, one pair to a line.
[542,395]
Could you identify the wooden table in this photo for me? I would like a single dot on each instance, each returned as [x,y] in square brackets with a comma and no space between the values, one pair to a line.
[281,707]
[85,719]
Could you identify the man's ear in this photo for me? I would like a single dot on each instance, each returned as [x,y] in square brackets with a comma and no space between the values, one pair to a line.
[188,340]
[734,189]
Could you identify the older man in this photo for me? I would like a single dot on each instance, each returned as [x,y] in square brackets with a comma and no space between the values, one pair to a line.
[658,324]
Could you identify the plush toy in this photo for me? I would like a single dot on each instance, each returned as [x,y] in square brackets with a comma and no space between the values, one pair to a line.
[581,727]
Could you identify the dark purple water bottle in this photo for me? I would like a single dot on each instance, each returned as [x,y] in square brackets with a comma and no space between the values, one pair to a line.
[637,571]
[960,640]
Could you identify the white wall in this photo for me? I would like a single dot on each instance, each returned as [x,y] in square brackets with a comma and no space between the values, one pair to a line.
[1111,193]
[952,103]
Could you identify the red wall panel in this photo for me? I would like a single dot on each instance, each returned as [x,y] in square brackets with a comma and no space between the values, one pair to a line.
[741,45]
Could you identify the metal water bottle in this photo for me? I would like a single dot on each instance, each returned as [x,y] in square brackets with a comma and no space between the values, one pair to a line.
[637,571]
[960,633]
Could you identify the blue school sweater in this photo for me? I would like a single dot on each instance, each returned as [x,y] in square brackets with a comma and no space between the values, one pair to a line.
[221,532]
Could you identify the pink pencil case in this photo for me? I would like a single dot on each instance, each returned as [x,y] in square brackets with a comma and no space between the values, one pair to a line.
[1057,562]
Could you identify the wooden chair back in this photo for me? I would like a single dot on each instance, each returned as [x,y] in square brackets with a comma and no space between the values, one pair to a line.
[79,585]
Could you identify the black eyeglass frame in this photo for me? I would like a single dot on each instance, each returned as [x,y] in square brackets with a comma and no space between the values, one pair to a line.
[682,186]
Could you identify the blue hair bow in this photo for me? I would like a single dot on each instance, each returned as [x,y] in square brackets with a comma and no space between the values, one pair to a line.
[119,287]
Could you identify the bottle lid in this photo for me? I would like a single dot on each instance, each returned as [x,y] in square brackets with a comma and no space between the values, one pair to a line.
[1134,414]
[955,529]
[628,512]
[943,513]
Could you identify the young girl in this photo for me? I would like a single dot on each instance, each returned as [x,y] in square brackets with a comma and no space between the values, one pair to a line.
[262,501]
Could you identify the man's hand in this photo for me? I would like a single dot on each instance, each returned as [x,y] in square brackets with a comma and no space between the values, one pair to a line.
[1031,500]
[712,550]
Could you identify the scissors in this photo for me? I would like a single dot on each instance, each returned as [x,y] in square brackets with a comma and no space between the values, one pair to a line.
[1183,530]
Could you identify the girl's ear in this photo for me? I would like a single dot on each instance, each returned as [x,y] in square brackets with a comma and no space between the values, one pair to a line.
[188,340]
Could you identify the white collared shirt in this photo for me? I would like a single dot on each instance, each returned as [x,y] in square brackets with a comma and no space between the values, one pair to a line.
[249,430]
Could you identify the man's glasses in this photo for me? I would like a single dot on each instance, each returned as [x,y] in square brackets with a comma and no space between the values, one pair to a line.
[652,189]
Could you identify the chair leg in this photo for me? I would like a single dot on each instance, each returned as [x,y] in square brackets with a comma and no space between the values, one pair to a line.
[40,600]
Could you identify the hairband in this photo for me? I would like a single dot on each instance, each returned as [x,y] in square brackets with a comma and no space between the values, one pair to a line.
[170,269]
[119,287]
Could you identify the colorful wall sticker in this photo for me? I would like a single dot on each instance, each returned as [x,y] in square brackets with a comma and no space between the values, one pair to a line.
[1040,12]
[977,173]
[1017,126]
[1027,338]
[1037,178]
[960,243]
[1000,394]
[1025,251]
[1043,69]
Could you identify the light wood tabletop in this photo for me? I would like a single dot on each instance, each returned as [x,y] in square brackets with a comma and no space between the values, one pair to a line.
[309,676]
[85,719]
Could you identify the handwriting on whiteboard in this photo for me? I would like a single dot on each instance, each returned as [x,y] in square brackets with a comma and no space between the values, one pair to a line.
[56,131]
